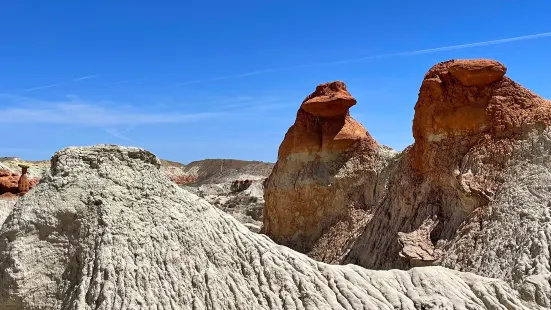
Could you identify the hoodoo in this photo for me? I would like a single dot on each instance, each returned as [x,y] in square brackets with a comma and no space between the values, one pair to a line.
[472,193]
[316,198]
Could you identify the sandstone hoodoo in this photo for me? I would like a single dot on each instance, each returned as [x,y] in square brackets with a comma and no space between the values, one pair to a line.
[472,193]
[23,185]
[315,198]
[108,230]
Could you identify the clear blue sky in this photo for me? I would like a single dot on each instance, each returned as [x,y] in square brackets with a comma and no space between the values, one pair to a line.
[187,79]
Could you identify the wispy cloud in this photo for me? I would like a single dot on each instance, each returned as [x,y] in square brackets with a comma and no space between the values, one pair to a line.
[75,111]
[82,78]
[120,134]
[40,87]
[352,60]
[87,77]
[319,64]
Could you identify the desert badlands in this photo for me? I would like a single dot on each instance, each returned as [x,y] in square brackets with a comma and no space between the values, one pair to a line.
[461,219]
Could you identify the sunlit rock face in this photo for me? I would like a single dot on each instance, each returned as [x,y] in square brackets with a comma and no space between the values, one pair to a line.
[316,199]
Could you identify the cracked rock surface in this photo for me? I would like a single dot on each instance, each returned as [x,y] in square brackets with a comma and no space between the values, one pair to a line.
[107,230]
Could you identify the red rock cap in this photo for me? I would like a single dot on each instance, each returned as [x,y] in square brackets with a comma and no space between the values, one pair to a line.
[329,100]
[470,72]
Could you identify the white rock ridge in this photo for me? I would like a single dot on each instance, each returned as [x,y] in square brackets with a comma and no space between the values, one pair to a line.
[107,230]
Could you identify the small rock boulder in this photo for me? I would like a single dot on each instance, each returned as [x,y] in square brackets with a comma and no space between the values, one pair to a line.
[8,181]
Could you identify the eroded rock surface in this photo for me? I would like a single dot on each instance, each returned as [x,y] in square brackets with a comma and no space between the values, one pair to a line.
[108,230]
[211,179]
[6,205]
[472,193]
[475,182]
[217,171]
[243,199]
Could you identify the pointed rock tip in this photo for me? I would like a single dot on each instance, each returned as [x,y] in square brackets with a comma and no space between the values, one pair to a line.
[469,72]
[329,100]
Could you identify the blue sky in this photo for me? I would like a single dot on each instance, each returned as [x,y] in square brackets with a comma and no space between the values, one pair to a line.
[189,80]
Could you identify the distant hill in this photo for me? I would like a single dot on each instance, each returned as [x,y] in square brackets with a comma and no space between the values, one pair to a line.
[221,170]
[196,172]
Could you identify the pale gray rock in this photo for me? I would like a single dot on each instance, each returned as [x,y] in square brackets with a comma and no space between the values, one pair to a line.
[107,230]
[508,237]
[245,205]
[512,240]
[6,205]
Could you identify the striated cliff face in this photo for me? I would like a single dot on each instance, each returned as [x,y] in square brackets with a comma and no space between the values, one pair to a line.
[107,230]
[472,193]
[316,200]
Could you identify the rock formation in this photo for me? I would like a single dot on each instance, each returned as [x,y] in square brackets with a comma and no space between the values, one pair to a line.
[316,198]
[12,184]
[23,185]
[183,179]
[107,230]
[472,193]
[240,185]
[243,199]
[8,181]
[217,171]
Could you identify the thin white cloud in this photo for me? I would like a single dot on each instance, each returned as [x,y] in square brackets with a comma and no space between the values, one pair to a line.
[87,77]
[407,53]
[343,61]
[119,134]
[40,87]
[76,111]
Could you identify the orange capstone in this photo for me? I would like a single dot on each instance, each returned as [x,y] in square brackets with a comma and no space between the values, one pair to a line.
[329,100]
[477,72]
